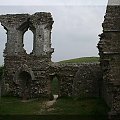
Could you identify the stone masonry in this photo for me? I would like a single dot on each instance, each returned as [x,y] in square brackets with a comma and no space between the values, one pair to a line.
[109,50]
[30,75]
[78,80]
[25,74]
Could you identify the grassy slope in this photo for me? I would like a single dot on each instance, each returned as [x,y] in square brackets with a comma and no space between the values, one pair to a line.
[81,60]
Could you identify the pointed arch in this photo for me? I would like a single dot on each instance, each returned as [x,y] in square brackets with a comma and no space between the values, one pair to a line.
[27,30]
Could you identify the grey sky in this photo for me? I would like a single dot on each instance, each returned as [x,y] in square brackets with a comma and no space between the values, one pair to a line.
[53,2]
[75,30]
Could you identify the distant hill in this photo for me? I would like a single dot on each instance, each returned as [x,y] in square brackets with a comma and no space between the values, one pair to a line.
[81,60]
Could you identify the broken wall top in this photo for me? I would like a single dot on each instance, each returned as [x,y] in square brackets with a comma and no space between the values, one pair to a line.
[16,20]
[112,16]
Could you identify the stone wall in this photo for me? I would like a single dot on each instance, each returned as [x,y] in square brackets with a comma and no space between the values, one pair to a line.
[81,80]
[35,66]
[65,74]
[25,74]
[88,80]
[30,75]
[109,50]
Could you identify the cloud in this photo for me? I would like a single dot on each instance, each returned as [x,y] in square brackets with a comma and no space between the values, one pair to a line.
[75,29]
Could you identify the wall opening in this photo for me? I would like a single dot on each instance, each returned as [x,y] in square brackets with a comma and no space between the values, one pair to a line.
[55,87]
[3,43]
[25,79]
[28,41]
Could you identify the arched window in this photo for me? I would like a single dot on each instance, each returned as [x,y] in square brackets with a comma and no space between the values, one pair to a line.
[3,43]
[28,41]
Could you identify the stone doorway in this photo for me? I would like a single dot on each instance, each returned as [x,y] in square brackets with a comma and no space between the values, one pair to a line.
[54,85]
[25,79]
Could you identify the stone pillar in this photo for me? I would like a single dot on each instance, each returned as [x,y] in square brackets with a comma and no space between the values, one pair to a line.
[11,41]
[42,41]
[14,42]
[38,40]
[47,40]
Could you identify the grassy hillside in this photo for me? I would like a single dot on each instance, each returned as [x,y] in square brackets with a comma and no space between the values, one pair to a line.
[81,60]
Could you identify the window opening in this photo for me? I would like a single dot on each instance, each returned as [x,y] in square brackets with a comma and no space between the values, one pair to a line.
[28,41]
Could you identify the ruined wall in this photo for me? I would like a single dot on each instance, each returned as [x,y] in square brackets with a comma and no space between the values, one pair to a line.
[25,74]
[80,80]
[65,74]
[109,50]
[35,66]
[30,75]
[17,24]
[87,81]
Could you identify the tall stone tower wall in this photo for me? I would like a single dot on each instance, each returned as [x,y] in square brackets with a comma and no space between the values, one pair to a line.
[109,50]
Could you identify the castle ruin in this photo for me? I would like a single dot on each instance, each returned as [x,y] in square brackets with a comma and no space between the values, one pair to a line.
[30,75]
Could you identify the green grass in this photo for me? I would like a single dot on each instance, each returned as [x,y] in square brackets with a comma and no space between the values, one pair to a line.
[63,106]
[85,107]
[81,60]
[14,106]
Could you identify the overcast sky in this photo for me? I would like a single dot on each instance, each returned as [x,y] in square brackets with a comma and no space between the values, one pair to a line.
[54,2]
[77,24]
